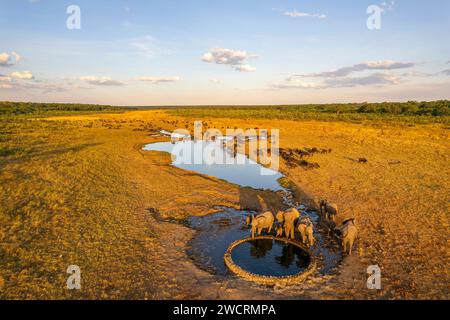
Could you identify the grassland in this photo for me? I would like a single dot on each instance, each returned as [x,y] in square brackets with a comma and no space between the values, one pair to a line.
[369,113]
[77,189]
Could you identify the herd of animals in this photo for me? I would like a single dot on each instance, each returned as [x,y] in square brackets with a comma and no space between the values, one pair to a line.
[287,222]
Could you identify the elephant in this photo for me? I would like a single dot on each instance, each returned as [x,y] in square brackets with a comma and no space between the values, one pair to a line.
[328,210]
[261,221]
[329,226]
[248,220]
[288,218]
[349,233]
[306,228]
[279,230]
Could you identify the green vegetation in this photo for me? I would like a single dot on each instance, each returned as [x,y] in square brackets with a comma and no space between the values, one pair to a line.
[8,109]
[409,112]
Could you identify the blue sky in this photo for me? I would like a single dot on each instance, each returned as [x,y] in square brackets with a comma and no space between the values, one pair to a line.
[224,52]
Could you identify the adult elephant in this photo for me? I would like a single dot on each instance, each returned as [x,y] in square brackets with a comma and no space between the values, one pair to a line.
[260,222]
[328,210]
[288,218]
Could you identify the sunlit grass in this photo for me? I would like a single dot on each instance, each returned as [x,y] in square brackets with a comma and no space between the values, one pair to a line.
[76,189]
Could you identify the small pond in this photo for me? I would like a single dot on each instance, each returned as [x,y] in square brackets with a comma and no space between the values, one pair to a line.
[217,231]
[268,257]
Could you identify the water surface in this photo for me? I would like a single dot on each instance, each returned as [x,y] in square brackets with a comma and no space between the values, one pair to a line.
[269,257]
[212,159]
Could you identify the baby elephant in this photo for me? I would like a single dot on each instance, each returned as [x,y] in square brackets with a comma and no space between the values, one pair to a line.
[288,218]
[349,233]
[306,228]
[328,210]
[279,230]
[260,222]
[329,226]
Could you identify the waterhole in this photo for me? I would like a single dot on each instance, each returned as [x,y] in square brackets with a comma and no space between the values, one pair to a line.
[217,231]
[270,257]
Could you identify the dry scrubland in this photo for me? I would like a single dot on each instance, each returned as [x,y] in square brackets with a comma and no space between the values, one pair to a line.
[78,190]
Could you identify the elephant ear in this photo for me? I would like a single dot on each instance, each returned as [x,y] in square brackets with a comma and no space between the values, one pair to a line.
[280,216]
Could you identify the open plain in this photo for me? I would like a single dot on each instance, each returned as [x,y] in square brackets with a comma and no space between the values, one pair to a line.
[79,189]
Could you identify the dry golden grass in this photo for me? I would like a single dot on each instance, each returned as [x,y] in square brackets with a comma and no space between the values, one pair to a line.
[79,191]
[399,198]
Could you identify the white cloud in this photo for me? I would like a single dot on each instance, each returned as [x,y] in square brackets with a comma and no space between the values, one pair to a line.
[101,81]
[14,79]
[297,14]
[447,72]
[245,68]
[158,79]
[226,56]
[9,59]
[237,59]
[23,75]
[387,6]
[368,65]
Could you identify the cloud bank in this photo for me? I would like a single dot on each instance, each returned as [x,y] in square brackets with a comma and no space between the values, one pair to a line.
[101,81]
[363,66]
[341,78]
[158,79]
[377,79]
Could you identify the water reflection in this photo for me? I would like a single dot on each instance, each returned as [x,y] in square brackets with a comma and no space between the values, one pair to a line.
[270,257]
[211,159]
[259,248]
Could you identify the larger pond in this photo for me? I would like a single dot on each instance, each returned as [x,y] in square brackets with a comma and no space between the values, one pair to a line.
[212,159]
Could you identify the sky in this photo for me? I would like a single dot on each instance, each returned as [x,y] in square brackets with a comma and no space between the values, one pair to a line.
[234,52]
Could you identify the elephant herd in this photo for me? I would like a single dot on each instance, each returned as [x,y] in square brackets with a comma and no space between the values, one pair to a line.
[290,220]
